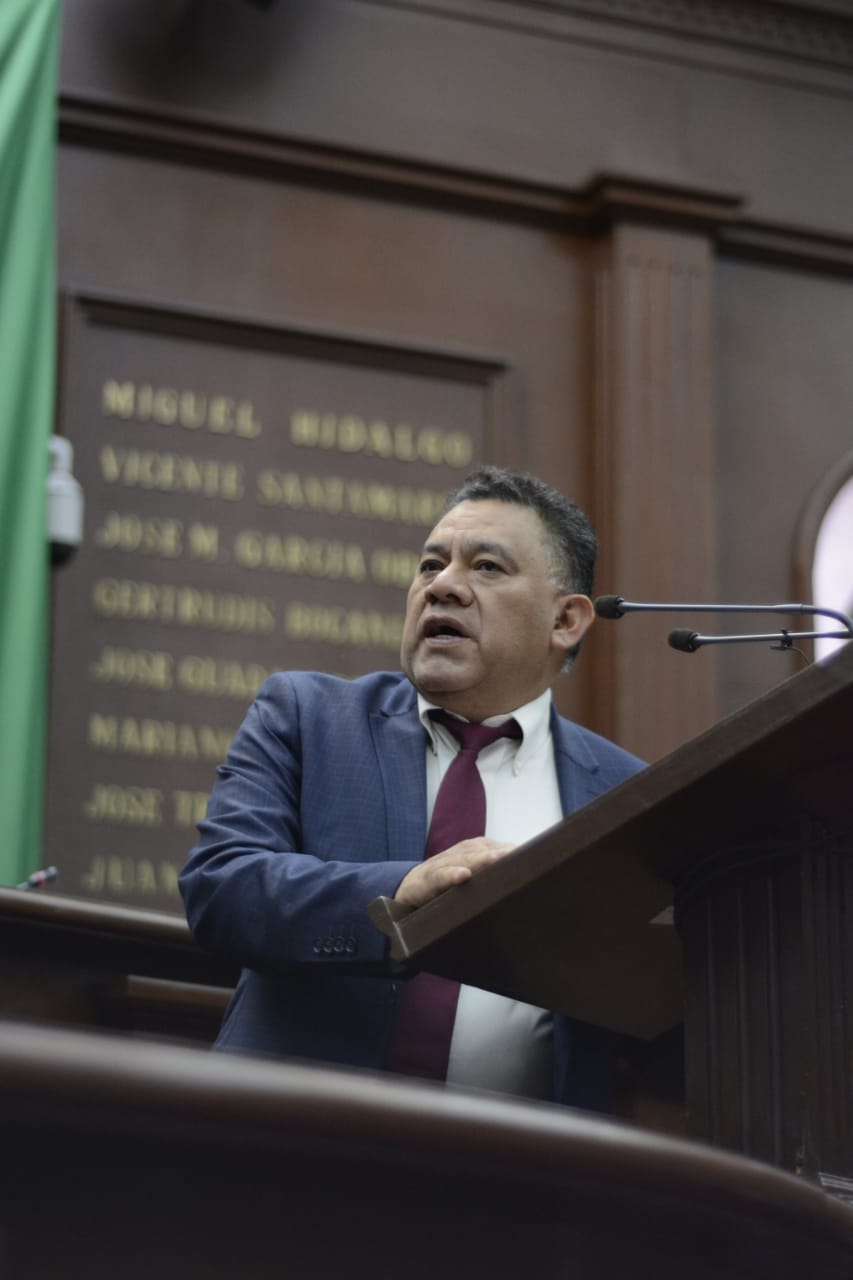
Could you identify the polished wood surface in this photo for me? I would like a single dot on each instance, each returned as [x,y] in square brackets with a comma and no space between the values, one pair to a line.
[147,1159]
[73,962]
[154,942]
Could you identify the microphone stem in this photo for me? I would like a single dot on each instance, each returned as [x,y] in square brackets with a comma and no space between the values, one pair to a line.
[627,606]
[786,638]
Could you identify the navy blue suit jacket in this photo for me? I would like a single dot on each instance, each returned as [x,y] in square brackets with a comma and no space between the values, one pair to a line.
[319,808]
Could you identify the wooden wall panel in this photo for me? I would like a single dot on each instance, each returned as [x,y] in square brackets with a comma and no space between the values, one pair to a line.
[784,392]
[654,449]
[351,263]
[745,97]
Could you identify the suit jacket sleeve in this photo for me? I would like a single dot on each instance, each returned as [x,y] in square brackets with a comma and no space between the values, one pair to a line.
[294,846]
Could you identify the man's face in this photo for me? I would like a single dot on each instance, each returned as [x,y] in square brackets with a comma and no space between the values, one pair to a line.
[486,630]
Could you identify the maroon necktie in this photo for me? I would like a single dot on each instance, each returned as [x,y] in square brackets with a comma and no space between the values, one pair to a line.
[424,1027]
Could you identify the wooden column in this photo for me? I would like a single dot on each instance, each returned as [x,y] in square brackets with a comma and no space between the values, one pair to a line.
[769,1024]
[655,486]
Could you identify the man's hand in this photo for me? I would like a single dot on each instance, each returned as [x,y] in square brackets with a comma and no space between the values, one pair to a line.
[444,870]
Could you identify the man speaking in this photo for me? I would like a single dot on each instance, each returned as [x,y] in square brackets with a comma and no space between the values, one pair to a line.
[335,792]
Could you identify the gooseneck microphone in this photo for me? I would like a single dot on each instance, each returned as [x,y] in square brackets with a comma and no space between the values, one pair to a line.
[687,641]
[610,606]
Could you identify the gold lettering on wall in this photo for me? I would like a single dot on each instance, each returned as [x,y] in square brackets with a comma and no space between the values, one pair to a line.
[358,628]
[127,735]
[256,549]
[203,541]
[394,568]
[130,876]
[124,532]
[334,495]
[155,535]
[316,557]
[171,473]
[170,407]
[188,807]
[137,668]
[219,678]
[348,433]
[134,601]
[130,806]
[159,671]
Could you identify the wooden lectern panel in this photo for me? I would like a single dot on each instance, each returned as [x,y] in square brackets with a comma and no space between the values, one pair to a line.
[568,920]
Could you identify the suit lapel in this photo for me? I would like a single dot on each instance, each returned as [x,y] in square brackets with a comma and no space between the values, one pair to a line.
[399,741]
[577,768]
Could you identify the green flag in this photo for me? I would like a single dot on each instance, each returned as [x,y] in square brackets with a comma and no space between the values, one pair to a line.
[28,71]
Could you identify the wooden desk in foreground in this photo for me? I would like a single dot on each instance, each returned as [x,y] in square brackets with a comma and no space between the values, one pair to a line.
[70,962]
[131,1159]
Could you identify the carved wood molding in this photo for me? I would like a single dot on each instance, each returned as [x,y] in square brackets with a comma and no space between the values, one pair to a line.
[205,325]
[604,201]
[789,246]
[819,33]
[611,199]
[798,31]
[586,209]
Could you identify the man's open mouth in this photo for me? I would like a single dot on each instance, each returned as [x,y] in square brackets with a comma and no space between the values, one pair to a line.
[439,628]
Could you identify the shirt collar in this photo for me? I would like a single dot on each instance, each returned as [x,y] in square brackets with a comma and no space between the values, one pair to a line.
[534,719]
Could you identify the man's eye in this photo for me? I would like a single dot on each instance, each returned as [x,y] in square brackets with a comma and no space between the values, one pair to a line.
[490,566]
[430,566]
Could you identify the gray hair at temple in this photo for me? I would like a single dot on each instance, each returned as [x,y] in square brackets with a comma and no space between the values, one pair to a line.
[570,541]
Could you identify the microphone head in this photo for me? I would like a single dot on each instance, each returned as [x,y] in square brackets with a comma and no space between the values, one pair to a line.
[609,606]
[683,640]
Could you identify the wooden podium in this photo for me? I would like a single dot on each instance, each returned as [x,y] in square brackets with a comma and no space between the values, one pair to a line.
[748,829]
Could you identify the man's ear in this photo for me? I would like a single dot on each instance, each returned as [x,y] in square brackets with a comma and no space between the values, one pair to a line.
[573,618]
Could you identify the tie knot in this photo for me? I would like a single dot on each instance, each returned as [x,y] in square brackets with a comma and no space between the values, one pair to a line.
[473,737]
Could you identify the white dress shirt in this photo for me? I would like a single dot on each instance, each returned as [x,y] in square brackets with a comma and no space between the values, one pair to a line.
[499,1043]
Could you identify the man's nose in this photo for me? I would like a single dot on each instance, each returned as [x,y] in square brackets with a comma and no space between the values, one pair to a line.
[451,583]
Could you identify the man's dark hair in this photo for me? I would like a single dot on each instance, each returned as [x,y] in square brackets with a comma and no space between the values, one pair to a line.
[571,544]
[570,541]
